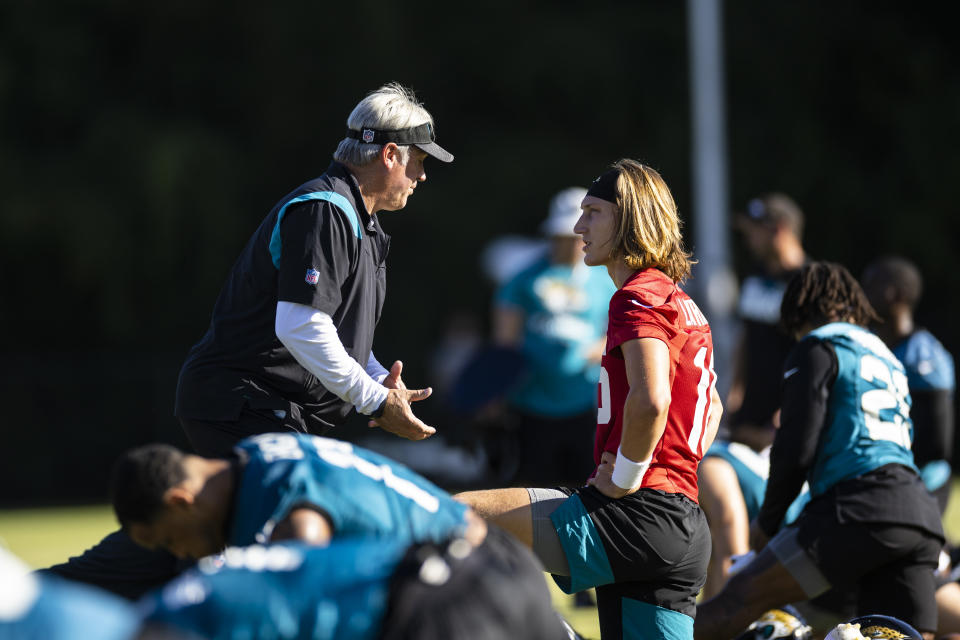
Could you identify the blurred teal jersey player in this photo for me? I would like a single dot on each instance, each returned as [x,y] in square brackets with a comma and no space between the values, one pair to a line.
[752,469]
[565,311]
[278,486]
[361,589]
[44,607]
[894,286]
[360,492]
[281,591]
[732,482]
[930,372]
[554,312]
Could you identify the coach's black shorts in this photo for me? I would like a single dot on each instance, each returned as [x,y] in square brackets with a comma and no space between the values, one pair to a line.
[451,590]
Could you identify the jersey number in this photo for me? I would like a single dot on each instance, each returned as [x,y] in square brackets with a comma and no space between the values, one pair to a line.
[704,391]
[893,395]
[281,446]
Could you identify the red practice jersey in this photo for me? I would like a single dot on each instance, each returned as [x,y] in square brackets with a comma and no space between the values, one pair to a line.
[650,305]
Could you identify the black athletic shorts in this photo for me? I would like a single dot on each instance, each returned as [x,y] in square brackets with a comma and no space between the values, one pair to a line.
[891,566]
[646,554]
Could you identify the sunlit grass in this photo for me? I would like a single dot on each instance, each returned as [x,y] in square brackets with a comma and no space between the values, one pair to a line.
[47,536]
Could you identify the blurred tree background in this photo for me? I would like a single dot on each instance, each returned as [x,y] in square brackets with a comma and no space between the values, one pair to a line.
[141,144]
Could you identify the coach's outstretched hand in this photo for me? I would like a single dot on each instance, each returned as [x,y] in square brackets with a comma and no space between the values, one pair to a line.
[398,417]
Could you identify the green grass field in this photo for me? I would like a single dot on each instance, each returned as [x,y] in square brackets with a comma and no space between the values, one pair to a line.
[47,536]
[42,537]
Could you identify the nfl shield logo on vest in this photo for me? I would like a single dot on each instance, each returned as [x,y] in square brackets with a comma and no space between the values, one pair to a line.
[313,276]
[367,136]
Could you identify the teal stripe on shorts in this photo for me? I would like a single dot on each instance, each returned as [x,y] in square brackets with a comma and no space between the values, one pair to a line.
[643,621]
[589,565]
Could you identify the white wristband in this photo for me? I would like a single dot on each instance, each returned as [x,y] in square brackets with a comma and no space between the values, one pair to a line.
[628,474]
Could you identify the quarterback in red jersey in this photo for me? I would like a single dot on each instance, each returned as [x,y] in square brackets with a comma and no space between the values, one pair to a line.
[649,305]
[635,531]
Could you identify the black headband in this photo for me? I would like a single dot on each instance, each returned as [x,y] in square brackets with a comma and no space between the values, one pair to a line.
[605,187]
[420,134]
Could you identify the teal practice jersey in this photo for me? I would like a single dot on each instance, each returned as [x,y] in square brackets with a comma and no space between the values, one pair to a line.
[43,607]
[565,315]
[281,591]
[752,469]
[359,491]
[928,365]
[930,370]
[868,417]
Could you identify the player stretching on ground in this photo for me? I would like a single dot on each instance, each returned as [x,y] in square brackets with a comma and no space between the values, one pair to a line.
[278,486]
[870,527]
[362,589]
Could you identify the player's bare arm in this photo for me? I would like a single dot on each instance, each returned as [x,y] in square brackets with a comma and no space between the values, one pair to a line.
[647,362]
[713,424]
[305,525]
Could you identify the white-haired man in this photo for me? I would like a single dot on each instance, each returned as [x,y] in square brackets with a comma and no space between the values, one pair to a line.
[290,343]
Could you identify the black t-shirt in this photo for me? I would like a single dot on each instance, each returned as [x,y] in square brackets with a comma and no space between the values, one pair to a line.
[765,347]
[318,247]
[892,494]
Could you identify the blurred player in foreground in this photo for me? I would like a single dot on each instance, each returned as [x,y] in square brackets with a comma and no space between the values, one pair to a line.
[361,589]
[42,607]
[278,486]
[635,531]
[871,525]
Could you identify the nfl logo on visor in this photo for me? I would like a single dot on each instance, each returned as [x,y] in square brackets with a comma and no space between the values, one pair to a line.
[313,276]
[367,136]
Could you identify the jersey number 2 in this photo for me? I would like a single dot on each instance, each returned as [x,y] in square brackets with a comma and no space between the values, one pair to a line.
[892,395]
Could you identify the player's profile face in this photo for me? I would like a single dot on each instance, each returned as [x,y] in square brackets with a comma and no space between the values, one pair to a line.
[597,226]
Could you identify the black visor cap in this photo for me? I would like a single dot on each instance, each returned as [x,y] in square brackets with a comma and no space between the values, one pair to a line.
[422,137]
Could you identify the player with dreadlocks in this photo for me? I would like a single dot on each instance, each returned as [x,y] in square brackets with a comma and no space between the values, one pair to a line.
[870,527]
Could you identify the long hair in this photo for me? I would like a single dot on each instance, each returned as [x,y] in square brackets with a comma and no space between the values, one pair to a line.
[648,234]
[824,292]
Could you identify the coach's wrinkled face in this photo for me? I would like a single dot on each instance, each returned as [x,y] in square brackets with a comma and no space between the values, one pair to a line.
[402,179]
[597,226]
[180,529]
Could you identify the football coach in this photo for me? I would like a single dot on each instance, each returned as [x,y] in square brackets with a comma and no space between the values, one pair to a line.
[290,343]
